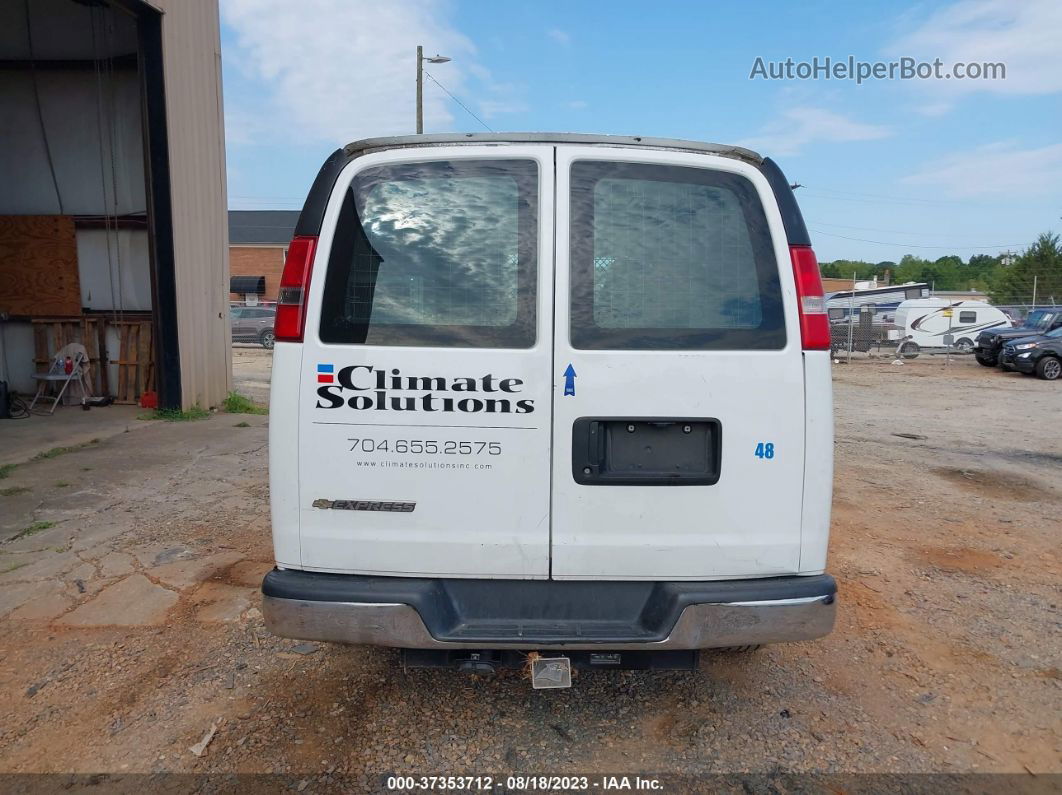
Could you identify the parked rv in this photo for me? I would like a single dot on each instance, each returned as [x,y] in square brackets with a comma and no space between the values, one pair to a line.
[939,323]
[523,399]
[883,301]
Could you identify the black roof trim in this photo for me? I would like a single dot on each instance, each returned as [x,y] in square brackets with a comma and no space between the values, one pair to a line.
[312,216]
[796,232]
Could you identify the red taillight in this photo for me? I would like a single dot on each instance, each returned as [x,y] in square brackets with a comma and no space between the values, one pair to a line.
[294,287]
[814,322]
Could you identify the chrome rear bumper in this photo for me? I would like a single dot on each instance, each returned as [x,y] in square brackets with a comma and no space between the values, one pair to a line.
[699,626]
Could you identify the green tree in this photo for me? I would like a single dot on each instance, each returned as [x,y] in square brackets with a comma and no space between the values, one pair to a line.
[844,268]
[912,269]
[1039,265]
[945,273]
[981,271]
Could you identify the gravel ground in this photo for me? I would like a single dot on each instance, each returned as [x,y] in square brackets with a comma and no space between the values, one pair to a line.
[945,657]
[252,366]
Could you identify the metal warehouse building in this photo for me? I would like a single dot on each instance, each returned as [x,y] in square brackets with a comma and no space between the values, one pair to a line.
[113,226]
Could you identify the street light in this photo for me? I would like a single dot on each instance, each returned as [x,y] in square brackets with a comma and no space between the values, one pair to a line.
[420,83]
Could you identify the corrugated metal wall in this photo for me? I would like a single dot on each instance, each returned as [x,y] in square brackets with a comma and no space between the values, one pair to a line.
[191,41]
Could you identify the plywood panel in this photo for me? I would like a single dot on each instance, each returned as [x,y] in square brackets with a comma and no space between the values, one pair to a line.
[38,266]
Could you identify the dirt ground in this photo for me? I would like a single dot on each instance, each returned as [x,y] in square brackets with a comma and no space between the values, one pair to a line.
[252,366]
[130,628]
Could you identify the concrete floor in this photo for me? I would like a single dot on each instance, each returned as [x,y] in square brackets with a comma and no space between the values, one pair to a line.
[21,440]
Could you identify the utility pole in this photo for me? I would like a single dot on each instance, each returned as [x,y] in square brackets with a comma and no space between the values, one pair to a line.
[851,316]
[420,83]
[1034,291]
[420,89]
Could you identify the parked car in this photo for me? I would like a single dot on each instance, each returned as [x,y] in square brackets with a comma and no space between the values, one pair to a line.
[989,343]
[564,394]
[1041,355]
[253,324]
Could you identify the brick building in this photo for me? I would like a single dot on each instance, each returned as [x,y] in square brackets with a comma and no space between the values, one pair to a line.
[258,242]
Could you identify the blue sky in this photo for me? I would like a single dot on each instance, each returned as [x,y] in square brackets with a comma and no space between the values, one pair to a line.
[890,167]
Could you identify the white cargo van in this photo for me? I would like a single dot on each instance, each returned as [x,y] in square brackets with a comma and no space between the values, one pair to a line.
[558,393]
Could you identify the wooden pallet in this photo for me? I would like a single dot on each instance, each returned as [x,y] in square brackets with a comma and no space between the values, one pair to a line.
[51,334]
[136,373]
[136,352]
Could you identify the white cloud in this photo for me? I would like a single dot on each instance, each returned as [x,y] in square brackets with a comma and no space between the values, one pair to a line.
[935,110]
[799,127]
[577,104]
[560,37]
[338,70]
[999,169]
[1023,34]
[495,107]
[244,127]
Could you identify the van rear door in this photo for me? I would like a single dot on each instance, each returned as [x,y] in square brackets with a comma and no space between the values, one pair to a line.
[678,429]
[424,414]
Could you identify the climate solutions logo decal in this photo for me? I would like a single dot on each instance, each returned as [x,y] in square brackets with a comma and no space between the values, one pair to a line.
[366,388]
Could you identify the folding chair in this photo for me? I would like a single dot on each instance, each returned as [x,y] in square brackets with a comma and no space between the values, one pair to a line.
[57,374]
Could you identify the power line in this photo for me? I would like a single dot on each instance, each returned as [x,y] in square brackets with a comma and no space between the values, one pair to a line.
[459,102]
[873,229]
[882,197]
[915,245]
[850,199]
[267,198]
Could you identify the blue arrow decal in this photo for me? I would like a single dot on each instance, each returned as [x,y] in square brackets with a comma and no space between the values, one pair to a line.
[569,380]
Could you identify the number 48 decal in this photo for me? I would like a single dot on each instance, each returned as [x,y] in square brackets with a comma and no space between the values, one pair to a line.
[765,450]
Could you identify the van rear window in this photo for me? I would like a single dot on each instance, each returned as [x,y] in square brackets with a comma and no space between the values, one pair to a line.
[439,253]
[672,258]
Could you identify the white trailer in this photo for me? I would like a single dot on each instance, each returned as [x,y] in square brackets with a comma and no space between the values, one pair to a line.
[939,323]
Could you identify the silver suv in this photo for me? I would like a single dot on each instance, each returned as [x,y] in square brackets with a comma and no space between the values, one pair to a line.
[253,324]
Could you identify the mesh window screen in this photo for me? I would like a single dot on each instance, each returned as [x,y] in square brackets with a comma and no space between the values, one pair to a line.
[441,253]
[671,257]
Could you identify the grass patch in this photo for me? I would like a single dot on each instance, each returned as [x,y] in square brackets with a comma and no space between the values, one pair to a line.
[242,425]
[12,567]
[55,452]
[196,412]
[33,529]
[6,470]
[236,403]
[61,484]
[13,491]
